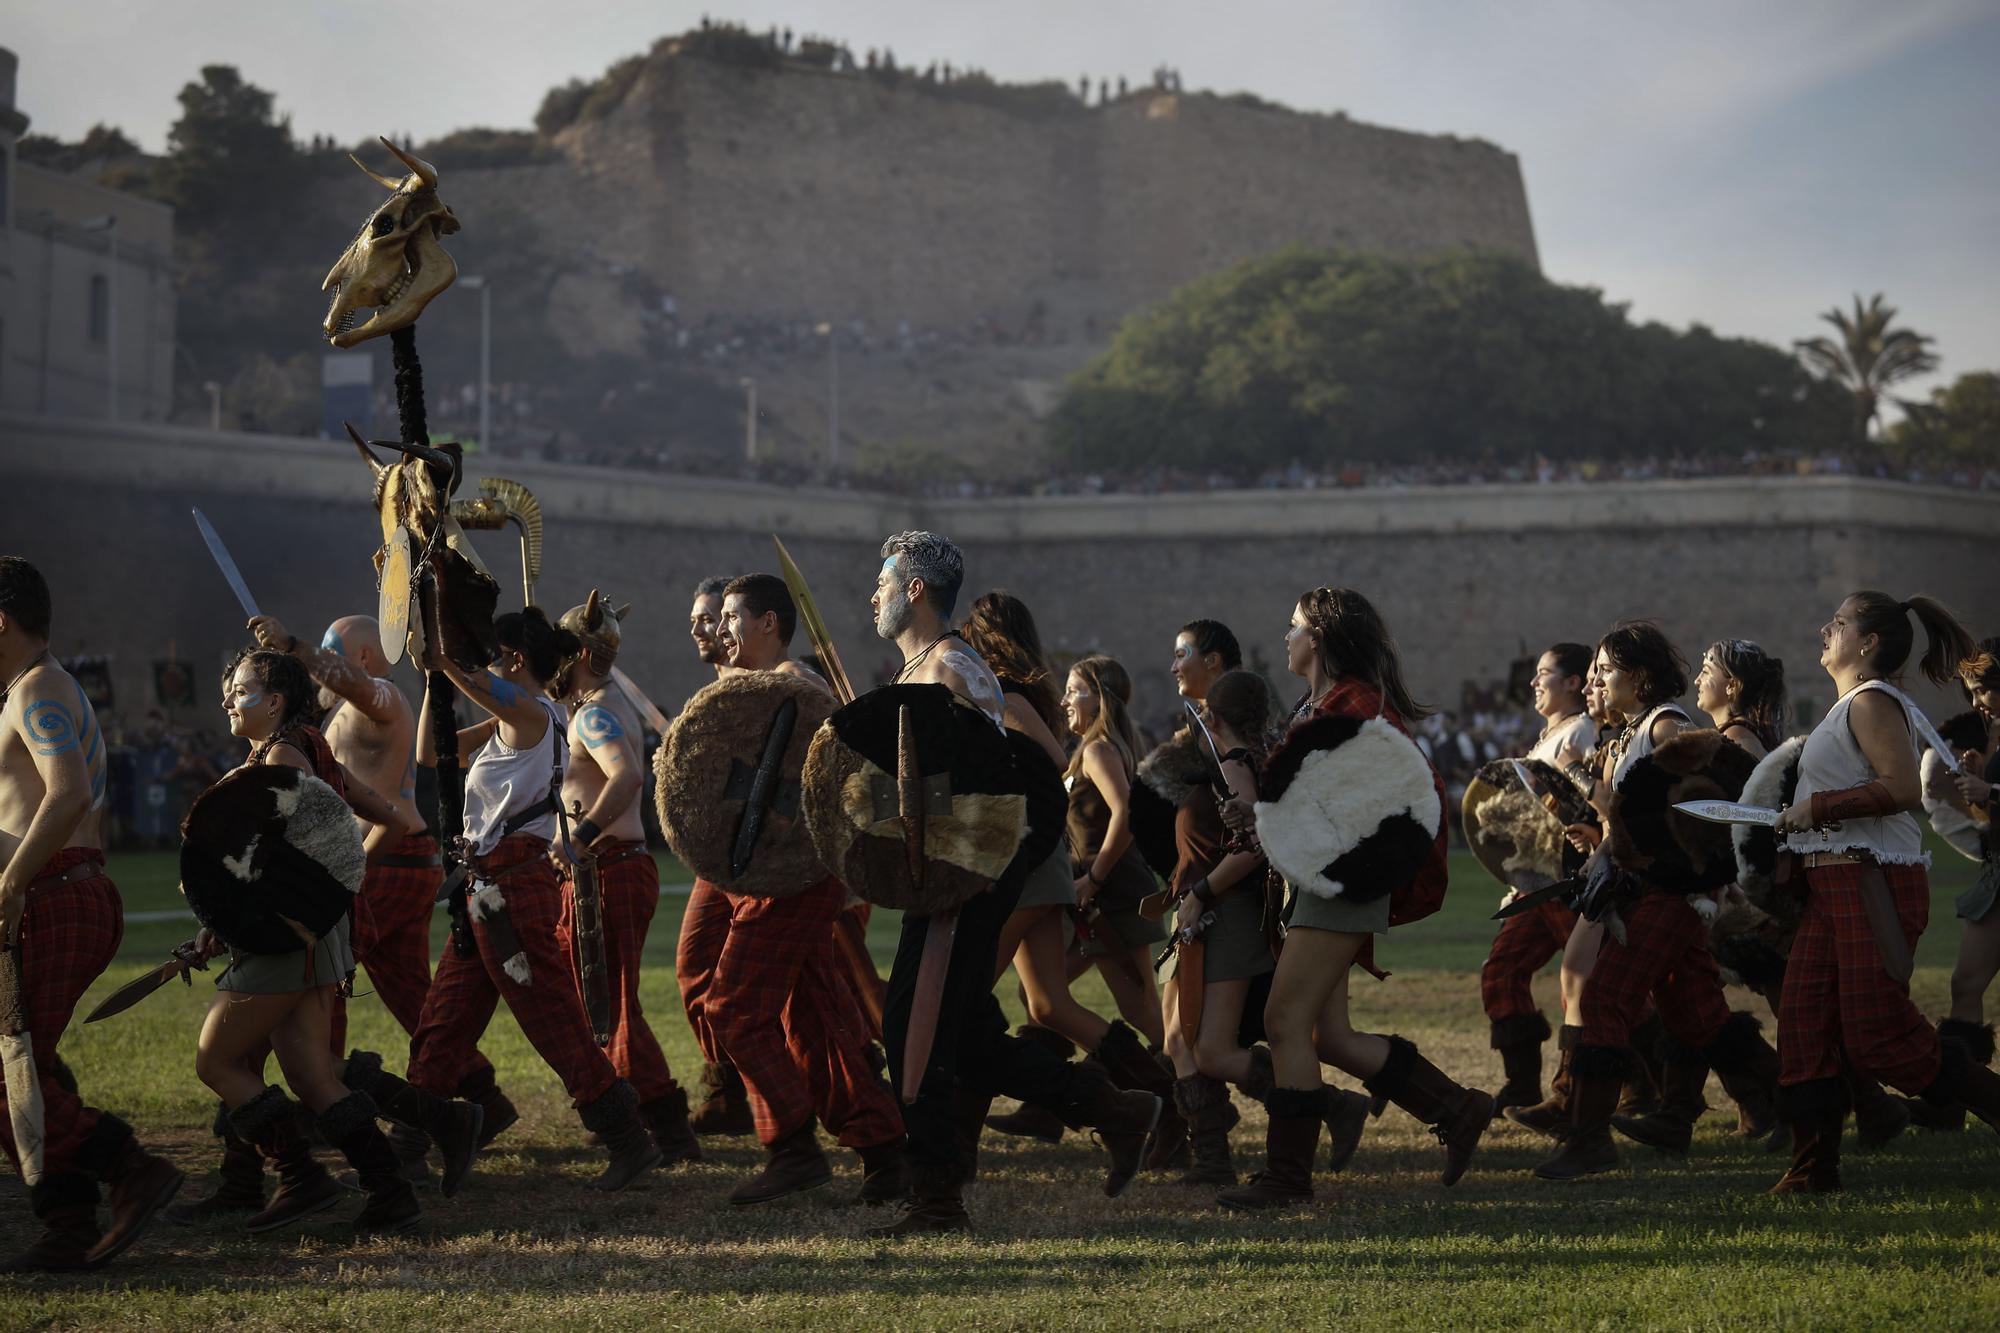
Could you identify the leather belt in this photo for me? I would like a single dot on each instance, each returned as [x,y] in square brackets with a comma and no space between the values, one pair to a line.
[394,861]
[1815,859]
[76,874]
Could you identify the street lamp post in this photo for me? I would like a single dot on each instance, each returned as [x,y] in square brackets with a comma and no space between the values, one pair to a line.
[108,224]
[750,420]
[214,404]
[479,284]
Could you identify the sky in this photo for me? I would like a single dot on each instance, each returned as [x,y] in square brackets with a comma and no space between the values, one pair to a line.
[1741,165]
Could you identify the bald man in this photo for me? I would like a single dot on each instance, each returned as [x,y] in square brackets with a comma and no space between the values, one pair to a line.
[372,729]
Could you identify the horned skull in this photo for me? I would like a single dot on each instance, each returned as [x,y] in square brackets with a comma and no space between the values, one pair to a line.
[397,262]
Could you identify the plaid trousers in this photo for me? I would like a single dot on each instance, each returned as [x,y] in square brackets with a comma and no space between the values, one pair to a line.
[1837,993]
[628,892]
[704,930]
[1522,948]
[1664,959]
[465,991]
[788,1022]
[69,935]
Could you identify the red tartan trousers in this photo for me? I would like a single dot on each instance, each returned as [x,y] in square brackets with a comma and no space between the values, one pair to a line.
[465,991]
[1664,959]
[628,891]
[788,1022]
[1838,996]
[1522,948]
[69,935]
[704,930]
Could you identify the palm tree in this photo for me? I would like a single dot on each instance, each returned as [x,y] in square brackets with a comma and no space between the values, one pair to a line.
[1867,357]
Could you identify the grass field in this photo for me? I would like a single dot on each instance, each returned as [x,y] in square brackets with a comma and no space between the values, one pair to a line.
[1660,1244]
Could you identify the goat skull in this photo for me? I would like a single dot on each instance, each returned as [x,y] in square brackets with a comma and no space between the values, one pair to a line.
[397,263]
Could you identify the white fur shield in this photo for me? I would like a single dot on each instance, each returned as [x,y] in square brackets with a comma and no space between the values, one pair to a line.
[1339,798]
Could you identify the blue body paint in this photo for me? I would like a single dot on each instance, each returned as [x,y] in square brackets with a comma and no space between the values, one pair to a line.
[50,727]
[598,725]
[505,692]
[333,643]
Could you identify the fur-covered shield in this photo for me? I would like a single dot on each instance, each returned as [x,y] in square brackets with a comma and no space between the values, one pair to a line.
[1350,808]
[1511,833]
[1771,784]
[1167,777]
[908,762]
[1668,850]
[271,859]
[708,774]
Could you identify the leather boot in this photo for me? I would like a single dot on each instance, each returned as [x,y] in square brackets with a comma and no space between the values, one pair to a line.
[1457,1115]
[453,1125]
[666,1120]
[1973,1086]
[793,1165]
[936,1205]
[1263,1078]
[1290,1141]
[1645,1067]
[969,1108]
[390,1205]
[1747,1067]
[240,1187]
[1201,1101]
[66,1205]
[1171,1141]
[1670,1129]
[141,1184]
[726,1108]
[500,1114]
[884,1176]
[1814,1111]
[1587,1149]
[1879,1118]
[1974,1042]
[270,1121]
[1551,1116]
[1125,1058]
[1345,1115]
[1124,1120]
[1519,1040]
[1031,1121]
[614,1116]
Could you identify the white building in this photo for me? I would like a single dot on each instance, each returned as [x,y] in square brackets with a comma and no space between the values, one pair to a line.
[86,289]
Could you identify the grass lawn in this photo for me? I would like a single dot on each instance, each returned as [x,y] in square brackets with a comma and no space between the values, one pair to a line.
[1660,1244]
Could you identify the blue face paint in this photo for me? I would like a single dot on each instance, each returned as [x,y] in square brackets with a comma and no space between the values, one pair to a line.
[333,643]
[249,701]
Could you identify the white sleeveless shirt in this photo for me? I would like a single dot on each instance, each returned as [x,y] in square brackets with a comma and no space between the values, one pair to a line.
[1577,730]
[1833,761]
[1641,743]
[503,781]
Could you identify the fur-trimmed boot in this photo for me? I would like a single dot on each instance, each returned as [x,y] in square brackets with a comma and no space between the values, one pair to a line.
[239,1186]
[614,1117]
[390,1204]
[270,1121]
[1815,1112]
[66,1205]
[1124,1120]
[1670,1127]
[667,1121]
[1963,1081]
[1291,1139]
[452,1124]
[793,1164]
[500,1114]
[884,1176]
[1125,1057]
[140,1183]
[1204,1103]
[726,1108]
[936,1205]
[1975,1042]
[1551,1116]
[969,1108]
[1750,1079]
[1345,1115]
[1519,1040]
[1031,1121]
[1879,1117]
[1457,1115]
[1599,1077]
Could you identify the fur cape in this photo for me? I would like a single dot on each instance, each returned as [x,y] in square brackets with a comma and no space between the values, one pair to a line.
[271,859]
[1350,808]
[1171,773]
[1669,851]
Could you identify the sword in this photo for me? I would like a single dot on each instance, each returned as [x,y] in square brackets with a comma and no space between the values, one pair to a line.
[1213,751]
[809,616]
[129,994]
[227,565]
[1533,898]
[647,708]
[592,971]
[1929,735]
[1729,812]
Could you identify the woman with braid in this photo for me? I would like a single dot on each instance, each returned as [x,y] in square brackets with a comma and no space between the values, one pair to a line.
[1742,689]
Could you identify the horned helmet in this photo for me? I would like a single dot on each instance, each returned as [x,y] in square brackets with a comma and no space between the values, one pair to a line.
[596,626]
[397,263]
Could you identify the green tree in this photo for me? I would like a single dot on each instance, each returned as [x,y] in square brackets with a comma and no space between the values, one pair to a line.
[232,164]
[1960,423]
[1869,356]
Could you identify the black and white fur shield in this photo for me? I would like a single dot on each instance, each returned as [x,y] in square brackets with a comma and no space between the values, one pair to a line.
[1771,785]
[270,856]
[1350,808]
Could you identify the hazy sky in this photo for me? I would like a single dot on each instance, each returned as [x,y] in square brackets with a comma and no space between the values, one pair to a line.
[1744,165]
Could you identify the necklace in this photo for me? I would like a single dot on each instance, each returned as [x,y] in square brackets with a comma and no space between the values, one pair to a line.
[33,662]
[1555,722]
[911,665]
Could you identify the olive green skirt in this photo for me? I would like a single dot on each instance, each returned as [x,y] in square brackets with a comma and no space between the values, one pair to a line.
[328,963]
[1235,947]
[1309,911]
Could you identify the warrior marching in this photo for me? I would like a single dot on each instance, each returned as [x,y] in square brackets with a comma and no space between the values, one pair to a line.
[1228,884]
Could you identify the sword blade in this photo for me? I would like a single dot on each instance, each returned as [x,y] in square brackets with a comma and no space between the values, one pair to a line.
[227,565]
[1929,735]
[1728,812]
[647,708]
[1526,776]
[134,991]
[1213,752]
[808,609]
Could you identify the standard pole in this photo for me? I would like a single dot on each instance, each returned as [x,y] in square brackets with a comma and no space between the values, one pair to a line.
[485,363]
[833,396]
[750,423]
[111,320]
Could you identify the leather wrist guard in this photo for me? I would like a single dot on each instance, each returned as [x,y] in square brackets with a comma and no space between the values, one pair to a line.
[1871,800]
[585,832]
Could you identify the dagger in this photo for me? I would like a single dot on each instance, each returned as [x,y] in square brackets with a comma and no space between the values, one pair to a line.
[227,565]
[129,994]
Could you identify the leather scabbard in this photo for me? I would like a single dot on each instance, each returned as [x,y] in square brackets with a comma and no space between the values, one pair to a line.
[935,962]
[1190,980]
[1880,906]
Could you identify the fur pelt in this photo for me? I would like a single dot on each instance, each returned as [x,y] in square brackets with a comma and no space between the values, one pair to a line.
[1168,776]
[720,734]
[271,859]
[1350,808]
[1771,784]
[1510,832]
[1668,850]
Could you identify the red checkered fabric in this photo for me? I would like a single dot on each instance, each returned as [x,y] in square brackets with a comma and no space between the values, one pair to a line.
[69,935]
[465,991]
[789,1023]
[1522,948]
[1665,960]
[392,929]
[628,890]
[704,930]
[857,966]
[1837,993]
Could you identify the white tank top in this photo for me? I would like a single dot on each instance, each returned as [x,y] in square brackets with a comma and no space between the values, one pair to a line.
[1641,743]
[503,781]
[1832,761]
[1578,730]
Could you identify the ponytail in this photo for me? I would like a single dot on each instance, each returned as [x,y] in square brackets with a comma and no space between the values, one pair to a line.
[1946,642]
[529,633]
